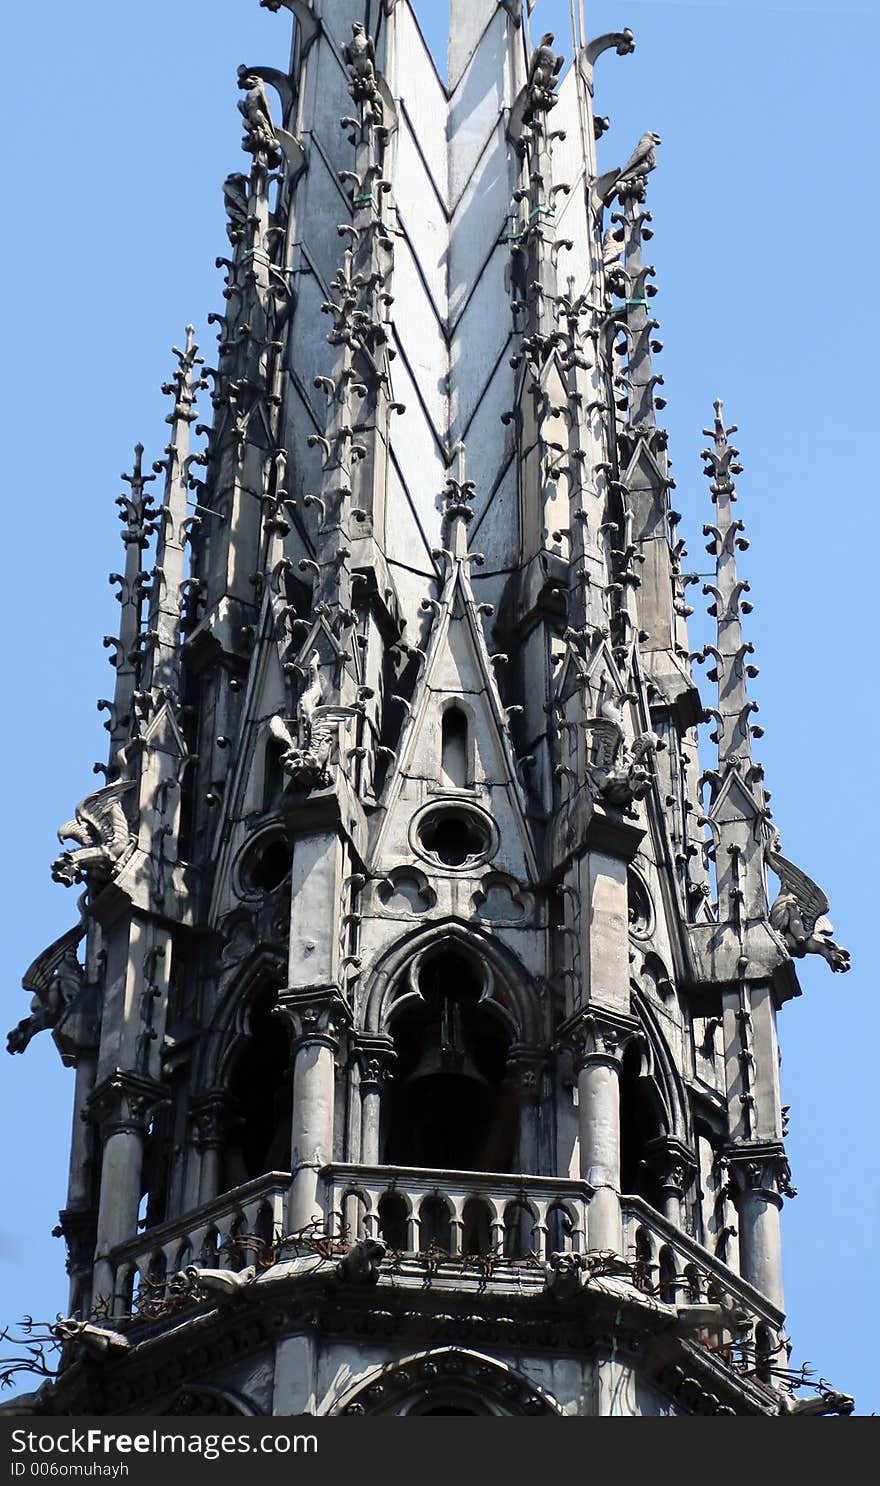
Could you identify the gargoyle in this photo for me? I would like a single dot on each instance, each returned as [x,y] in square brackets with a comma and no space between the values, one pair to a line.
[259,131]
[827,1402]
[55,978]
[236,202]
[564,1276]
[544,72]
[359,56]
[621,774]
[306,758]
[226,1284]
[798,915]
[360,1266]
[102,830]
[96,1341]
[642,160]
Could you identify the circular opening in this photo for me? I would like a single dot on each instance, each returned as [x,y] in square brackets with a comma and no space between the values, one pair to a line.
[267,867]
[454,837]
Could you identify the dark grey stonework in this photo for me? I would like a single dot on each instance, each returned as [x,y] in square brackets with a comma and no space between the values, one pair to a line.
[423,995]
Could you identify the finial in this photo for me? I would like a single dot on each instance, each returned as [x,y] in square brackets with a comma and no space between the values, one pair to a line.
[457,502]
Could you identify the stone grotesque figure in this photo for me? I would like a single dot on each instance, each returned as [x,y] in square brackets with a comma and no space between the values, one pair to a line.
[96,1341]
[544,71]
[56,979]
[226,1284]
[564,1276]
[828,1402]
[259,131]
[101,828]
[360,58]
[306,758]
[620,772]
[798,915]
[360,1266]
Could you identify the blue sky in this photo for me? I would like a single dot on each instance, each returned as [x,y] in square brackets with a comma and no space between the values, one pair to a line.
[120,124]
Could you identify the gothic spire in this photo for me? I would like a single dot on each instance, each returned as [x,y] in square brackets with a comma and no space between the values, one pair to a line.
[138,516]
[170,569]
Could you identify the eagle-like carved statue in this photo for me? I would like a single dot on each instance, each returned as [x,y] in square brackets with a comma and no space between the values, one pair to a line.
[259,131]
[544,71]
[359,56]
[306,757]
[101,828]
[798,915]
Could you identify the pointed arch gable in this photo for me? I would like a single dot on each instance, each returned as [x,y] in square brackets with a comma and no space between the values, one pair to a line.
[518,994]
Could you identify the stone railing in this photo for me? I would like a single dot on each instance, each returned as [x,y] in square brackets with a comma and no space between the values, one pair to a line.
[679,1269]
[458,1212]
[214,1236]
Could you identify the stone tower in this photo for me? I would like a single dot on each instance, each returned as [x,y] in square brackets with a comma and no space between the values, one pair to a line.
[424,991]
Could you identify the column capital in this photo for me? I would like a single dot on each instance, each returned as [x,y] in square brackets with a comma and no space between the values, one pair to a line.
[672,1163]
[525,1066]
[124,1103]
[760,1170]
[315,1016]
[375,1057]
[212,1116]
[598,1036]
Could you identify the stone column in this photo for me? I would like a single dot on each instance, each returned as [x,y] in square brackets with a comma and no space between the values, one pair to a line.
[759,1177]
[212,1117]
[525,1068]
[598,1042]
[122,1105]
[375,1057]
[316,1018]
[673,1166]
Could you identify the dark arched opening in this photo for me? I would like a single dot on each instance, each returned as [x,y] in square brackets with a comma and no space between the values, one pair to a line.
[455,748]
[450,1108]
[639,1125]
[261,1085]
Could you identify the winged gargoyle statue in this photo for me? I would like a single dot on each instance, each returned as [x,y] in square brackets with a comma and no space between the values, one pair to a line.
[54,979]
[621,772]
[102,830]
[306,758]
[798,915]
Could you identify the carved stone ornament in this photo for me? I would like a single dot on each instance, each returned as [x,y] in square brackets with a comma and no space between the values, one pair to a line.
[798,915]
[101,828]
[305,759]
[259,131]
[98,1342]
[621,773]
[564,1276]
[360,58]
[361,1265]
[544,71]
[56,979]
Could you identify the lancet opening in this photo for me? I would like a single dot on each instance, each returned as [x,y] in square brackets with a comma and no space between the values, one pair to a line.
[450,1108]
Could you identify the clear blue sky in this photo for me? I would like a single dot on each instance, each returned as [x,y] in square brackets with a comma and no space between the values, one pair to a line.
[120,125]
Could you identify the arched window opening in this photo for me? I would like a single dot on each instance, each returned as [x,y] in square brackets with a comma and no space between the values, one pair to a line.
[264,1231]
[519,1223]
[451,1107]
[639,1126]
[158,1268]
[644,1261]
[476,1238]
[765,1347]
[455,748]
[668,1277]
[210,1255]
[559,1231]
[260,1082]
[394,1221]
[694,1284]
[273,774]
[435,1225]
